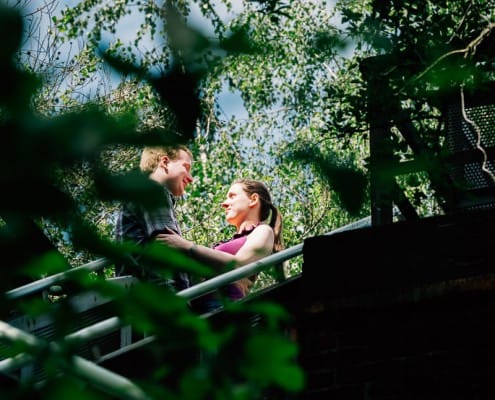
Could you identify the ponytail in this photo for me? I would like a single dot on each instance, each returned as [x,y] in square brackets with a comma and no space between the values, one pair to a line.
[276,224]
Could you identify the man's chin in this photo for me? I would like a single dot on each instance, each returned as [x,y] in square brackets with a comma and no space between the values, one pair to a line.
[180,191]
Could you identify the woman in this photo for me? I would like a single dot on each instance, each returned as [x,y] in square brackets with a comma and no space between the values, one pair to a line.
[247,206]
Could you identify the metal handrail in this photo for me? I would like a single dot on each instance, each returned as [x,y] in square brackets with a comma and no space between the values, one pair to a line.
[109,381]
[45,283]
[189,293]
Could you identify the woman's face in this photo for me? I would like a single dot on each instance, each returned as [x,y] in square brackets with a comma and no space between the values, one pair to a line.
[236,204]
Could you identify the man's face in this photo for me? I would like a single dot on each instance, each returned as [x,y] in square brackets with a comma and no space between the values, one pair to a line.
[179,173]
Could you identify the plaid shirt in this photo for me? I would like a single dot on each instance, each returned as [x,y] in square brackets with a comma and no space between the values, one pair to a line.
[140,225]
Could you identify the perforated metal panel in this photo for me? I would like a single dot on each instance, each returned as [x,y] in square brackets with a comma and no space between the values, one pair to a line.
[469,144]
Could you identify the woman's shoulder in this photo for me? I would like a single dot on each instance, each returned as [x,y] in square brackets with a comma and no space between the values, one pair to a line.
[263,229]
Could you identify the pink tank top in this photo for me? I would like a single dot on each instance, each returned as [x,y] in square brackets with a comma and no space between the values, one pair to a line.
[232,246]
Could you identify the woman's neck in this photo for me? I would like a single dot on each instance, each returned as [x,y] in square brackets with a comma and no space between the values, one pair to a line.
[248,224]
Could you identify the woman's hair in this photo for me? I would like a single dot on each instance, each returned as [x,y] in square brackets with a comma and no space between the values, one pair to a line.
[151,155]
[267,209]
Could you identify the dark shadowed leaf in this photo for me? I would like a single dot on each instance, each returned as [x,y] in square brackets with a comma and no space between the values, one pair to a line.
[348,183]
[11,30]
[179,91]
[238,42]
[132,186]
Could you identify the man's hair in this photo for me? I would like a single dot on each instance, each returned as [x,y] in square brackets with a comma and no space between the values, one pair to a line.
[150,157]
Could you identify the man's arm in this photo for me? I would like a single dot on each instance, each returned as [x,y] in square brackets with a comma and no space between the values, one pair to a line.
[259,244]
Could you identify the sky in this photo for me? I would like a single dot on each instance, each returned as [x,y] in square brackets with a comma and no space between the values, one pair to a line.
[230,103]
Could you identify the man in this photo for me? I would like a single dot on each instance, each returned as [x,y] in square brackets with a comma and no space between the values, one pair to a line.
[170,167]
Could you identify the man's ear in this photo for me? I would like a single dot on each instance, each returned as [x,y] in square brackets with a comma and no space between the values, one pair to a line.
[164,160]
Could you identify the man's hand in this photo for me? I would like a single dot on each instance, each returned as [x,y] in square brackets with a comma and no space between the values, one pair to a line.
[172,239]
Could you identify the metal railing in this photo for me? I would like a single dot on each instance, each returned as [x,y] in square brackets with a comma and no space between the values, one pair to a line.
[45,283]
[189,293]
[108,381]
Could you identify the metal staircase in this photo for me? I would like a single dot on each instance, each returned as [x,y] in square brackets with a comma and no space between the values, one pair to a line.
[103,340]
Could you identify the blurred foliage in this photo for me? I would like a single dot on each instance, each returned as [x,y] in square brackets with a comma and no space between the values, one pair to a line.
[85,86]
[42,156]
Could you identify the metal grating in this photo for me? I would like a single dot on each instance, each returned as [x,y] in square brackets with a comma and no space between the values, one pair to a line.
[466,162]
